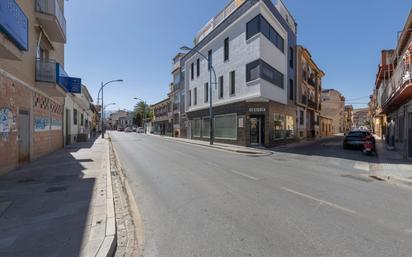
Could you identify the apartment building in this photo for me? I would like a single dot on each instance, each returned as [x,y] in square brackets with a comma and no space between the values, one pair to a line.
[396,91]
[33,83]
[383,76]
[163,118]
[348,123]
[177,98]
[333,106]
[308,95]
[120,120]
[325,126]
[252,47]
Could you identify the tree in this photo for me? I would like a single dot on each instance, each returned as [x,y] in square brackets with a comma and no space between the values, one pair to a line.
[140,111]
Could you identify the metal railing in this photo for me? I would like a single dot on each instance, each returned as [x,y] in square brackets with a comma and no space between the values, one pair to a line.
[46,71]
[311,104]
[215,21]
[52,7]
[304,99]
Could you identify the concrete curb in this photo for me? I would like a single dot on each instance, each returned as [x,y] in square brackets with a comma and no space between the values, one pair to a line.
[135,212]
[109,243]
[252,151]
[102,239]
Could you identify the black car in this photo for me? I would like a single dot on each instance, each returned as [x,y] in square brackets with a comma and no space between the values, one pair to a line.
[356,138]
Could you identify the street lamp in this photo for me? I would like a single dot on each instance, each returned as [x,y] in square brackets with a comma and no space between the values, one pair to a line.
[98,95]
[144,112]
[107,105]
[211,69]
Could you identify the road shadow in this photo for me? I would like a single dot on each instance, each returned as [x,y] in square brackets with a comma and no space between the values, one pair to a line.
[44,205]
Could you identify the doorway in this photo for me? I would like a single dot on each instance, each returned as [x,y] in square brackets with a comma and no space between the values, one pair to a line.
[24,136]
[256,130]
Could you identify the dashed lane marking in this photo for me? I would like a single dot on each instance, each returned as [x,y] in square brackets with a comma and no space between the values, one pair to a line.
[335,206]
[243,175]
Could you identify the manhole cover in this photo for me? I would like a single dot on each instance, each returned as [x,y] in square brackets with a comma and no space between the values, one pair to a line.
[56,189]
[357,177]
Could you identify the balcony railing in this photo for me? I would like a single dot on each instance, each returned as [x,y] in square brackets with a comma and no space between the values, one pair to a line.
[311,104]
[215,21]
[52,7]
[304,99]
[401,75]
[46,71]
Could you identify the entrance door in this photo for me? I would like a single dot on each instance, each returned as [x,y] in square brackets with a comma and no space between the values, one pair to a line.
[24,136]
[255,130]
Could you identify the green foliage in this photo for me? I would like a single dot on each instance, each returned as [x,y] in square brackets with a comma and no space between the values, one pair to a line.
[140,111]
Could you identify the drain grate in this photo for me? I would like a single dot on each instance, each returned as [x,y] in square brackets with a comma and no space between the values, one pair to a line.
[55,189]
[357,177]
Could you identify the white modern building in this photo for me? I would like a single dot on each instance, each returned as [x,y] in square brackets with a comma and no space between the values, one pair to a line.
[252,45]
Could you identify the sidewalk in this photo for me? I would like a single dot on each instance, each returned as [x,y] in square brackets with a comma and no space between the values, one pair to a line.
[392,167]
[59,205]
[227,147]
[303,143]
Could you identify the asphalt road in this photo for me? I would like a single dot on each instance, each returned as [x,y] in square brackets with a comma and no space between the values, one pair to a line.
[197,201]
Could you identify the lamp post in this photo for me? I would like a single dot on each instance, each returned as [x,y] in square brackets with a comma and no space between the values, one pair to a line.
[107,105]
[144,112]
[101,90]
[211,69]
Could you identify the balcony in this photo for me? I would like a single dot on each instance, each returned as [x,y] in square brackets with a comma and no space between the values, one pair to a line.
[51,17]
[304,100]
[399,88]
[50,77]
[14,35]
[311,104]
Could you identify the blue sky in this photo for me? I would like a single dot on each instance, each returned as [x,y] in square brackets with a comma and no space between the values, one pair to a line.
[135,40]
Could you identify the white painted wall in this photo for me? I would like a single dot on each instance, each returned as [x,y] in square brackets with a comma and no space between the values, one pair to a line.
[242,52]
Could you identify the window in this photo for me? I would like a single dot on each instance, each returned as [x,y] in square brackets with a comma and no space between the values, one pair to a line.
[75,118]
[206,128]
[221,87]
[196,127]
[209,57]
[226,126]
[260,24]
[279,126]
[291,57]
[252,71]
[206,92]
[81,119]
[260,69]
[232,83]
[291,93]
[190,98]
[252,27]
[195,92]
[198,67]
[226,51]
[192,71]
[301,117]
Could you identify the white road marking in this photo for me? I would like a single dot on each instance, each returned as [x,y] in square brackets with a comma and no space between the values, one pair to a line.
[319,200]
[409,231]
[361,166]
[243,174]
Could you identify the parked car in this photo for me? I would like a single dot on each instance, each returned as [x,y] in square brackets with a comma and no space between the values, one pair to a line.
[134,129]
[120,129]
[140,130]
[128,130]
[356,139]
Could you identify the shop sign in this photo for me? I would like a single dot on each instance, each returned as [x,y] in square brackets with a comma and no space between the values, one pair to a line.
[240,122]
[257,110]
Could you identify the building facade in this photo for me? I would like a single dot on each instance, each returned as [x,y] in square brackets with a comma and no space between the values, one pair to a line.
[325,127]
[252,47]
[120,120]
[308,95]
[33,83]
[396,92]
[361,118]
[348,123]
[162,118]
[333,104]
[177,98]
